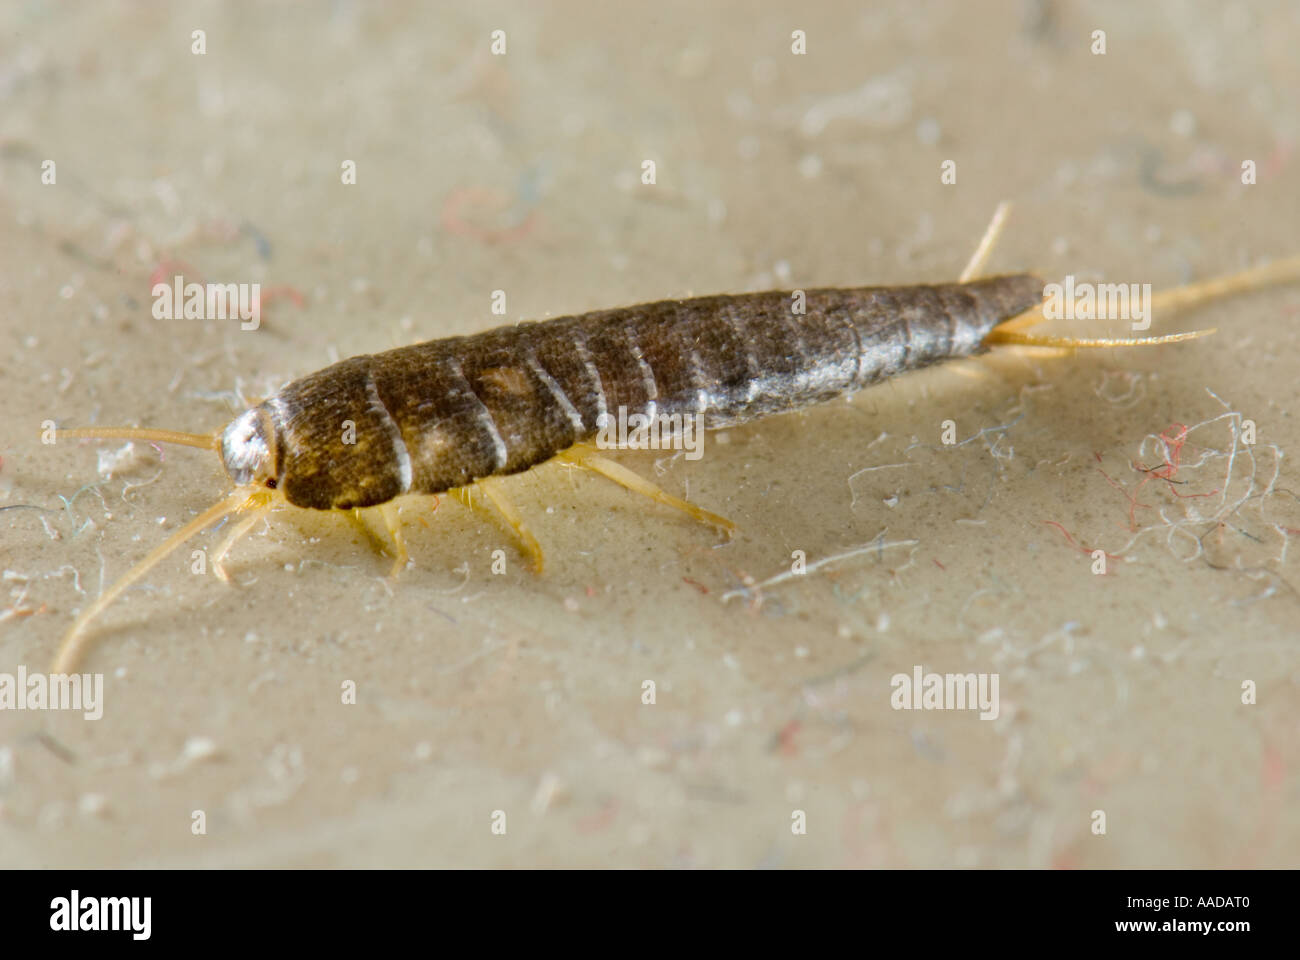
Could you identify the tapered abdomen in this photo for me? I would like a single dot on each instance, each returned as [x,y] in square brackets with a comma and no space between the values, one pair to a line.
[437,415]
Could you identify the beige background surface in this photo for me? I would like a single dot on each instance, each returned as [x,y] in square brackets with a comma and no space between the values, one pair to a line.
[479,693]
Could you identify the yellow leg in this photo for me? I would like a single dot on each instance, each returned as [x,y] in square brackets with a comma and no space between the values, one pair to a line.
[357,520]
[395,545]
[465,497]
[394,524]
[257,507]
[492,490]
[582,456]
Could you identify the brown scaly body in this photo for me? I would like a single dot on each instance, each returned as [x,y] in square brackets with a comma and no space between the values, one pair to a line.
[446,413]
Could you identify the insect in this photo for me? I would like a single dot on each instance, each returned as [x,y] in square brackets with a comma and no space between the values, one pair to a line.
[458,414]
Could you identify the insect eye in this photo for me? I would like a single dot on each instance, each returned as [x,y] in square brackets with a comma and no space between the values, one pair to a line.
[271,483]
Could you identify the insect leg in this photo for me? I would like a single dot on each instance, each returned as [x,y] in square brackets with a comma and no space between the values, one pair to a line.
[395,546]
[357,520]
[491,487]
[258,507]
[394,524]
[465,497]
[581,456]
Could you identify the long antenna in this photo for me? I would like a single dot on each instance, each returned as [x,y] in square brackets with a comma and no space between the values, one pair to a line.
[72,647]
[204,441]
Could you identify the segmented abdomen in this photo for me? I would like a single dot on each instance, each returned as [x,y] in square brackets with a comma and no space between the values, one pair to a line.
[437,415]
